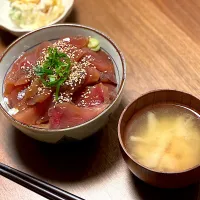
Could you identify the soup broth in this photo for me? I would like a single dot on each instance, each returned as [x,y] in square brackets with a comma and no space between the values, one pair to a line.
[164,137]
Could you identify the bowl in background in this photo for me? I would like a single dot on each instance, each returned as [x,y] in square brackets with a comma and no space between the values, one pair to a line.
[155,178]
[7,24]
[51,33]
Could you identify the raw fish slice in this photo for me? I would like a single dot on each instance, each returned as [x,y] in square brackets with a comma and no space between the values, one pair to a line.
[72,84]
[68,115]
[72,46]
[99,59]
[20,71]
[93,96]
[35,114]
[28,97]
[77,41]
[74,54]
[39,97]
[34,94]
[32,89]
[22,80]
[14,97]
[108,77]
[28,116]
[92,76]
[41,49]
[17,76]
[44,108]
[112,90]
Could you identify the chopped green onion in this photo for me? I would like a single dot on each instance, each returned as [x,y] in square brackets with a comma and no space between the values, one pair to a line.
[39,71]
[52,78]
[55,69]
[58,87]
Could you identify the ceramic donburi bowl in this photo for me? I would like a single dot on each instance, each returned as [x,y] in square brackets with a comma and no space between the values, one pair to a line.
[54,32]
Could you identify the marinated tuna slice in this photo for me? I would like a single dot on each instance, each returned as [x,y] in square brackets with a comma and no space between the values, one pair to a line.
[108,77]
[99,59]
[36,114]
[21,71]
[32,89]
[22,96]
[92,76]
[36,94]
[78,41]
[41,49]
[74,54]
[16,96]
[28,116]
[72,47]
[44,107]
[112,90]
[40,97]
[75,80]
[68,115]
[93,96]
[22,78]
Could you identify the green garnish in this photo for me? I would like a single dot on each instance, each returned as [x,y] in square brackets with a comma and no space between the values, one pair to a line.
[55,69]
[94,44]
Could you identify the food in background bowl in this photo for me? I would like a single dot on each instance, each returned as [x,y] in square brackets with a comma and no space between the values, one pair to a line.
[33,14]
[61,84]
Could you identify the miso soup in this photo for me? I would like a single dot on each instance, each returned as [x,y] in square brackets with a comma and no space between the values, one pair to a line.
[164,138]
